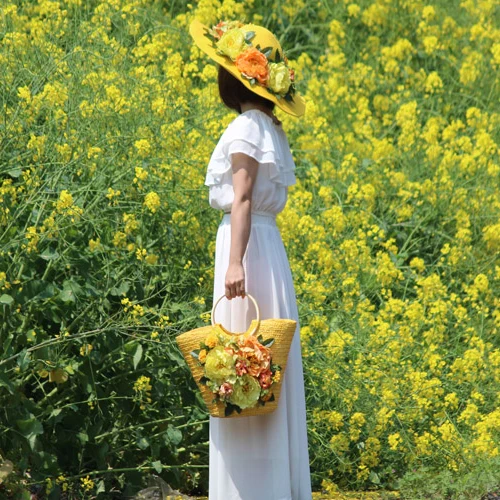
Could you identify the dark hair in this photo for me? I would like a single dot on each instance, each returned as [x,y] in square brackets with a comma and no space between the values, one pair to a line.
[233,92]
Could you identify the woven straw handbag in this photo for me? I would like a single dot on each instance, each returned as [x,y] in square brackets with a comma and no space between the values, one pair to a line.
[239,374]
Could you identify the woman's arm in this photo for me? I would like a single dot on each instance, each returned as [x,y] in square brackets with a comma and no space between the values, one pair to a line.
[244,174]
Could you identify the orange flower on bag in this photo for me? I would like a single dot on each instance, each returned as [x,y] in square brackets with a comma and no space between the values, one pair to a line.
[253,64]
[265,379]
[258,357]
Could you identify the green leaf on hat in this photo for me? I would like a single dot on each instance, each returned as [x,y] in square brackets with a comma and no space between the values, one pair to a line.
[267,51]
[249,35]
[277,58]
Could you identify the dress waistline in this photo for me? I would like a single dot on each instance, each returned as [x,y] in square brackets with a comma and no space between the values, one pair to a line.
[258,212]
[258,217]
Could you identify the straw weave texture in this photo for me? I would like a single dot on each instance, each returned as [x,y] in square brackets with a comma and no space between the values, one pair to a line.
[282,330]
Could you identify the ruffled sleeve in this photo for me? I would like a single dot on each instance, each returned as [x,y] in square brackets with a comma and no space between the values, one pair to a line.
[254,134]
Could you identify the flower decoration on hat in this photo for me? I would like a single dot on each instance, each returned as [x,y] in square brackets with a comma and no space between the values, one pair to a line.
[253,62]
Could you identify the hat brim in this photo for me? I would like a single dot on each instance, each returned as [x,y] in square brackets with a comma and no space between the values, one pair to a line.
[198,31]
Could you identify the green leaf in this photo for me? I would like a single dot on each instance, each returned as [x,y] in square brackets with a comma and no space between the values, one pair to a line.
[204,380]
[101,488]
[374,477]
[121,290]
[277,57]
[195,353]
[267,51]
[49,254]
[6,299]
[67,295]
[174,435]
[268,342]
[137,355]
[142,443]
[30,428]
[24,359]
[249,35]
[157,466]
[15,172]
[83,437]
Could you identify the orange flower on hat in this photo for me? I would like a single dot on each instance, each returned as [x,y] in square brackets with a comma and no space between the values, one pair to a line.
[252,63]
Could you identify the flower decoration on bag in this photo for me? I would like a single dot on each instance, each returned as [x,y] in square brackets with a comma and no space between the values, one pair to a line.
[238,371]
[254,63]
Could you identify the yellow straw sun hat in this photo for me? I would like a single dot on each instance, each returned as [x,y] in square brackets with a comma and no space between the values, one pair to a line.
[253,55]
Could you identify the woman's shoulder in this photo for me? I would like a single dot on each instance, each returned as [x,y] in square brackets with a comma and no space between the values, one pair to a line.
[254,126]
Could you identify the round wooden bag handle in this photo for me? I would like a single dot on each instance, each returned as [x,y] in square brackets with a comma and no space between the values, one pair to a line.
[256,308]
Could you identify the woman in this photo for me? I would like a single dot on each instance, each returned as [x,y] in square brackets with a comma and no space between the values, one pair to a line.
[262,457]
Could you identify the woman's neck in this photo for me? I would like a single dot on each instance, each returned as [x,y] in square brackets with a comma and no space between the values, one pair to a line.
[246,106]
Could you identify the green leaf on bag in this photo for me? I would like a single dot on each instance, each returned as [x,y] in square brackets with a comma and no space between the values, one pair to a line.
[268,342]
[204,380]
[195,353]
[272,398]
[260,338]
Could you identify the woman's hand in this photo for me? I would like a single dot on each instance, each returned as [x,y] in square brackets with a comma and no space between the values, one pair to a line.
[235,281]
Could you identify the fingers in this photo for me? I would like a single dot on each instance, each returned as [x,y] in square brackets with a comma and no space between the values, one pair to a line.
[235,290]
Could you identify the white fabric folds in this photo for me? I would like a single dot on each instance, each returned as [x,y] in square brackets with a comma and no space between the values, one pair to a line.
[254,133]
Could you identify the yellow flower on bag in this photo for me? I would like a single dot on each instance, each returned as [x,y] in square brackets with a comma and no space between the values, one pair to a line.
[279,78]
[202,356]
[246,392]
[211,340]
[219,365]
[232,43]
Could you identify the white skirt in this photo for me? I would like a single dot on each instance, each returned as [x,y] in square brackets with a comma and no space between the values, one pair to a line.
[262,457]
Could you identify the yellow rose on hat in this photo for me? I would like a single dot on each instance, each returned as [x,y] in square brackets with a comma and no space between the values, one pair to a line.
[279,78]
[232,43]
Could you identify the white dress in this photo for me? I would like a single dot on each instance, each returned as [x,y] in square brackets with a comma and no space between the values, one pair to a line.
[263,457]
